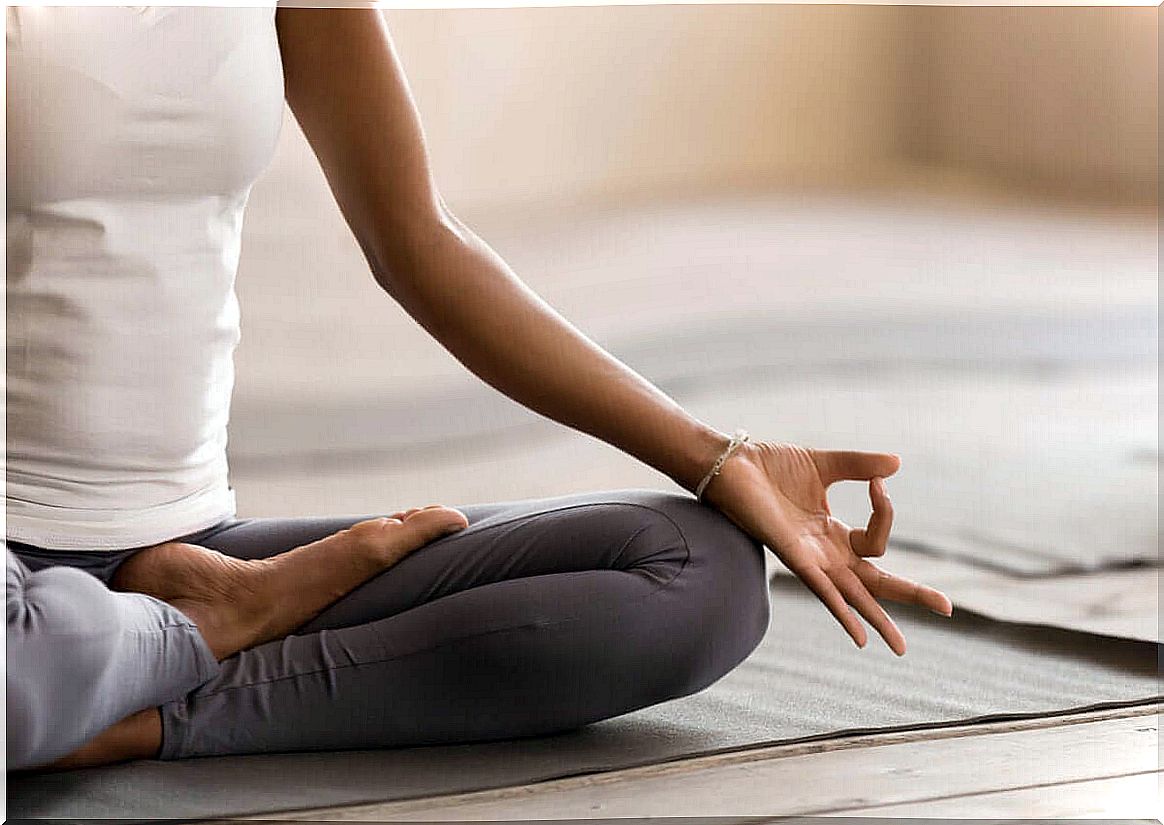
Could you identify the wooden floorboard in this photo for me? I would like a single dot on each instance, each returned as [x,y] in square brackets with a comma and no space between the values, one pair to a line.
[972,771]
[1132,796]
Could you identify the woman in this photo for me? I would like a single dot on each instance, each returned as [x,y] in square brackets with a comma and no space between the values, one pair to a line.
[146,620]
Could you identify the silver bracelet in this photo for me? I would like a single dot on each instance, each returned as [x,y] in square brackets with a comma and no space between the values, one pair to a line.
[738,438]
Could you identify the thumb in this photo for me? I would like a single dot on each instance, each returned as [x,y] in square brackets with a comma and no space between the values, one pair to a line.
[853,465]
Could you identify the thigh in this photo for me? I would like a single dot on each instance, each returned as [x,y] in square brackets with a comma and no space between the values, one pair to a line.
[504,540]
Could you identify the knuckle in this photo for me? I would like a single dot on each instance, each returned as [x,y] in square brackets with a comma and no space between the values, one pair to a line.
[831,568]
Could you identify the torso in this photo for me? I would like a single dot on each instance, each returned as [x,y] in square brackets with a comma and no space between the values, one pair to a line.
[134,137]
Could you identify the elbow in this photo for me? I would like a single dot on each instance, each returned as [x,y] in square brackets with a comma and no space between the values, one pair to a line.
[412,246]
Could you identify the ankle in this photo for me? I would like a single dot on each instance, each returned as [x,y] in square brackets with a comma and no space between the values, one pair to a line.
[138,736]
[234,610]
[219,630]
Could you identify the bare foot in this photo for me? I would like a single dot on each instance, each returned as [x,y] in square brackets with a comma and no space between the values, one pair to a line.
[239,603]
[136,737]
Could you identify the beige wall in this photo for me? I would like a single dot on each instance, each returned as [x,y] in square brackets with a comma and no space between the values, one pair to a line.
[1057,98]
[584,103]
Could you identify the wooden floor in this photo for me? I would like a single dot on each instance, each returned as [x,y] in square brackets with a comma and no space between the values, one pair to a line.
[1102,764]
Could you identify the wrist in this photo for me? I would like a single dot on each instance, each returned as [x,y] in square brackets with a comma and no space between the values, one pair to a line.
[738,471]
[704,447]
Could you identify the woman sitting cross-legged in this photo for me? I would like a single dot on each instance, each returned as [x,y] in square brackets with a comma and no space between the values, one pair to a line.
[146,620]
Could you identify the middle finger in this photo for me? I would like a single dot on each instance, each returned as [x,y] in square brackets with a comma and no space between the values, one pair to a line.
[885,585]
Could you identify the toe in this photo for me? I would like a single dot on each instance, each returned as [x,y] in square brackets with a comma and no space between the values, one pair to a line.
[431,523]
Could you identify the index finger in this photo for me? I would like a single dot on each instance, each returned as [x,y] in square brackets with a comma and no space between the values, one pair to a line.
[874,538]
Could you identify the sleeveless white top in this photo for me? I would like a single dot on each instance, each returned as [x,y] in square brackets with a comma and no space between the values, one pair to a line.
[134,137]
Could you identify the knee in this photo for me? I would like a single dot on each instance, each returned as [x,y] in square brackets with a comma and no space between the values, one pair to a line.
[60,634]
[720,595]
[67,606]
[722,564]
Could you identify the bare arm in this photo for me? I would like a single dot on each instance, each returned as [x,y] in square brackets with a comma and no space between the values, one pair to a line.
[348,92]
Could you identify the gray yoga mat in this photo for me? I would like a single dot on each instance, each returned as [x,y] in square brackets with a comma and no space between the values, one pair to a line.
[805,681]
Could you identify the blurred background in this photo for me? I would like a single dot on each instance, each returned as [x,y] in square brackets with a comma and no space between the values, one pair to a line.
[927,230]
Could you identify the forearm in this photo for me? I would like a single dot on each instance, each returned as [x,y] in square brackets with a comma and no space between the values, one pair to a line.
[468,298]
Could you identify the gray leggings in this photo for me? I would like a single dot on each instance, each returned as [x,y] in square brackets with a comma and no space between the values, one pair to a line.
[541,616]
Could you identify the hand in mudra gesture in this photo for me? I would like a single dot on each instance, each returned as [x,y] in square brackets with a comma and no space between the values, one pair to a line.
[778,494]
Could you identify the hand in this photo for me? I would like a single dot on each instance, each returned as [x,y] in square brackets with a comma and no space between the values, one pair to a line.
[777,494]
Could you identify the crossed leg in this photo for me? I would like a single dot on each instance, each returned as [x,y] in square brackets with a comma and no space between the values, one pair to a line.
[82,657]
[540,616]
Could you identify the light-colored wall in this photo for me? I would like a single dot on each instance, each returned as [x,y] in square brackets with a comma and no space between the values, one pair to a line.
[536,105]
[581,103]
[1050,98]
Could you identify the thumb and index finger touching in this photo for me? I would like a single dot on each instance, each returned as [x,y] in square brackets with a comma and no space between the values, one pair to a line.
[860,465]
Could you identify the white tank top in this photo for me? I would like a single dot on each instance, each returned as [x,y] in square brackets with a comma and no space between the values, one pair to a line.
[134,137]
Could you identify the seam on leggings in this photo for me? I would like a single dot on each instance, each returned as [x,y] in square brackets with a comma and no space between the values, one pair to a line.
[459,639]
[626,544]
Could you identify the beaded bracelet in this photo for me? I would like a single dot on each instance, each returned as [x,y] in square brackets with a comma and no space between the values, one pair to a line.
[738,438]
